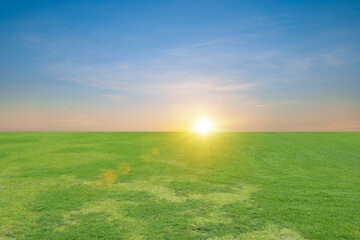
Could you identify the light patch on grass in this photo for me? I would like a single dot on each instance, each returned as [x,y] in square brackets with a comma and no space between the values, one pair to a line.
[107,177]
[271,232]
[124,168]
[150,155]
[223,198]
[213,218]
[169,179]
[159,191]
[114,210]
[155,151]
[219,198]
[157,186]
[146,157]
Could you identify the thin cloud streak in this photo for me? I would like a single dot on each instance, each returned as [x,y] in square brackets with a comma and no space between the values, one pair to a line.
[115,98]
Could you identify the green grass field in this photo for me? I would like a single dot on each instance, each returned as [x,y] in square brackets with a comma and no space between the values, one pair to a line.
[179,186]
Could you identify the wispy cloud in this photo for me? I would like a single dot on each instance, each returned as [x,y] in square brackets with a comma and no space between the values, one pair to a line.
[211,67]
[115,98]
[173,71]
[275,104]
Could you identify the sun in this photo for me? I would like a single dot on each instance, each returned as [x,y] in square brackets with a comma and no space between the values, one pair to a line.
[203,126]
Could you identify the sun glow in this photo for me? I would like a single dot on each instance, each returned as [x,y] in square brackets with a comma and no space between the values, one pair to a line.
[203,126]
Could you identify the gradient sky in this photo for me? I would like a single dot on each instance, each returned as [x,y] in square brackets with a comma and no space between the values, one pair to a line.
[159,65]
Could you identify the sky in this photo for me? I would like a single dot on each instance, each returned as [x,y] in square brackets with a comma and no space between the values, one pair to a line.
[160,65]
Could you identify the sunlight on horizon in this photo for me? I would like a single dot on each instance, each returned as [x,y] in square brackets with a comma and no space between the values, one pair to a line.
[203,125]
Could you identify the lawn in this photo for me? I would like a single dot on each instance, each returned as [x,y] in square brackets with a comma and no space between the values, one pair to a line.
[179,186]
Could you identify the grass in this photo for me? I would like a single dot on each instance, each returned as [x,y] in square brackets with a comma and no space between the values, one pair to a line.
[179,186]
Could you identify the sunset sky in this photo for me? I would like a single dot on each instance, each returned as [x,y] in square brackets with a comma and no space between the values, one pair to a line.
[160,65]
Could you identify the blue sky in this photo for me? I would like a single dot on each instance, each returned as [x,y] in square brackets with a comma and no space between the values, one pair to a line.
[158,65]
